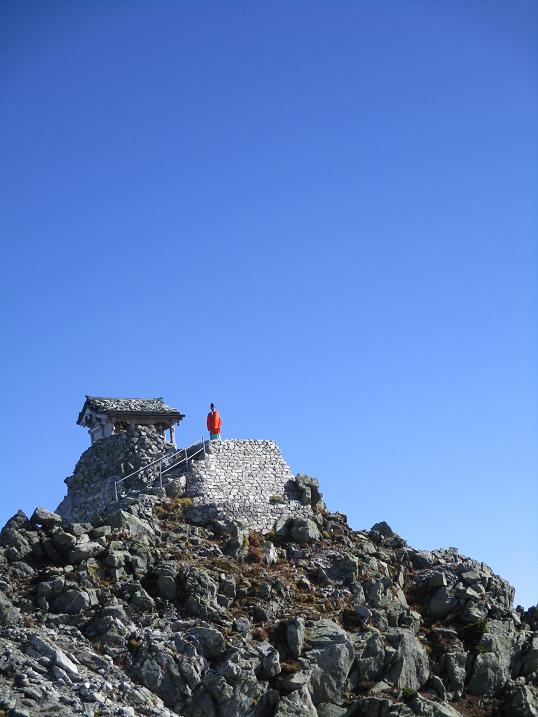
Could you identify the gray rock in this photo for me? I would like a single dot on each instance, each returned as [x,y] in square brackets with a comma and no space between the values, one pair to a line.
[296,704]
[57,656]
[436,579]
[9,614]
[159,672]
[363,612]
[130,524]
[51,588]
[18,542]
[19,569]
[166,581]
[175,488]
[452,666]
[299,530]
[488,675]
[116,558]
[327,709]
[530,658]
[384,529]
[83,551]
[142,601]
[197,591]
[210,641]
[78,529]
[329,655]
[369,650]
[428,708]
[71,602]
[295,634]
[63,541]
[242,625]
[410,666]
[522,702]
[269,660]
[270,554]
[345,568]
[310,495]
[441,603]
[100,532]
[43,517]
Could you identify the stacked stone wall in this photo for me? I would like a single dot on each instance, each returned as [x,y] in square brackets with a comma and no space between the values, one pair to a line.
[90,489]
[247,480]
[244,479]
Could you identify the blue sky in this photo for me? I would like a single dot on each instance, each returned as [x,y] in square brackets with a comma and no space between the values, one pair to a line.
[319,215]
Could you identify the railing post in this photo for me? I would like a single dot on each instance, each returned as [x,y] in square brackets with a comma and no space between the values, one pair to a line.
[161,472]
[203,444]
[115,490]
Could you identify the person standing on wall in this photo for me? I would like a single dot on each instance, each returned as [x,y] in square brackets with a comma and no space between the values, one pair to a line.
[214,423]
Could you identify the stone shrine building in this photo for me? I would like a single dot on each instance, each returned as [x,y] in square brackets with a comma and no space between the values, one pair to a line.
[104,417]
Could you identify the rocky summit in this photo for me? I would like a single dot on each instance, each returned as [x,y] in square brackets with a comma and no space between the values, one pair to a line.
[154,604]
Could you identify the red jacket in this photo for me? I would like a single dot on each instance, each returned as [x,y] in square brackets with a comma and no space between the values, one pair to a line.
[213,422]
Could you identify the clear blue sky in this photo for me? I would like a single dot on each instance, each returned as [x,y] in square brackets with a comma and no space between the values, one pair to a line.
[319,215]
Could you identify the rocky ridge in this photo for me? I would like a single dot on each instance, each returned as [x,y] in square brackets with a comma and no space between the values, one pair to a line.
[142,612]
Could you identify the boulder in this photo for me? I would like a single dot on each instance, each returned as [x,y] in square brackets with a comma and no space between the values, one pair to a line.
[62,540]
[452,670]
[18,542]
[142,601]
[72,602]
[409,667]
[210,642]
[9,614]
[522,702]
[309,493]
[329,655]
[130,524]
[83,551]
[196,591]
[176,487]
[295,634]
[166,581]
[296,704]
[344,568]
[369,650]
[43,517]
[383,528]
[157,670]
[428,708]
[298,530]
[269,660]
[488,675]
[441,603]
[110,629]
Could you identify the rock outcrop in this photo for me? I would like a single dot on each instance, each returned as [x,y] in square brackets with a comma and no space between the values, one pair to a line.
[152,608]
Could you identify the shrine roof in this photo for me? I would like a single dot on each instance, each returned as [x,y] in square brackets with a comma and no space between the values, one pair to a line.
[126,406]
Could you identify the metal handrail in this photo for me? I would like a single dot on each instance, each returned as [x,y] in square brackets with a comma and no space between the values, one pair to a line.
[164,459]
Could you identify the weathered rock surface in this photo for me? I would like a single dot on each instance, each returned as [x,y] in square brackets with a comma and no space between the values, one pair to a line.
[151,609]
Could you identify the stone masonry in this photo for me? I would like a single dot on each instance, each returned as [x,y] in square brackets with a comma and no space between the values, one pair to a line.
[247,480]
[90,489]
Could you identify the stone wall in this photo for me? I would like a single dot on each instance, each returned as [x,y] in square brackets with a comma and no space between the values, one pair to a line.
[244,479]
[236,479]
[91,487]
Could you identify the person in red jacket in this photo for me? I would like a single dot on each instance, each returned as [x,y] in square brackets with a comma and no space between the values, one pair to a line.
[213,423]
